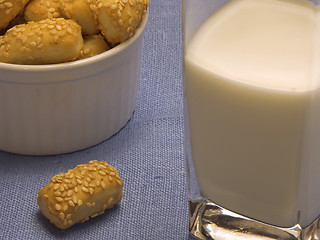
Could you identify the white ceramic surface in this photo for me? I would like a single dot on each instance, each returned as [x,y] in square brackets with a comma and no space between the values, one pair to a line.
[60,108]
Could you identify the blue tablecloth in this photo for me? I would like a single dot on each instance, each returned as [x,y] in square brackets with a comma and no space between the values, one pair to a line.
[147,152]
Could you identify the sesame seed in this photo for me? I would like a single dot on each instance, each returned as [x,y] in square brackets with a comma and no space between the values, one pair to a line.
[75,189]
[43,26]
[30,34]
[68,216]
[8,4]
[71,203]
[92,204]
[33,44]
[119,181]
[61,215]
[65,207]
[110,200]
[65,222]
[28,50]
[69,193]
[57,207]
[56,14]
[92,7]
[55,38]
[110,178]
[24,39]
[91,191]
[85,219]
[40,45]
[90,175]
[86,184]
[85,189]
[68,15]
[65,180]
[57,193]
[112,173]
[8,11]
[59,199]
[74,199]
[102,173]
[56,186]
[103,185]
[79,181]
[80,202]
[96,214]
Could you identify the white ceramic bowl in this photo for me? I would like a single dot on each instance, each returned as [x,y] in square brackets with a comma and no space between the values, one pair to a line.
[60,108]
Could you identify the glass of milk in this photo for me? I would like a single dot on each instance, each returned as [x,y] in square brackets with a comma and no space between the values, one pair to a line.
[252,118]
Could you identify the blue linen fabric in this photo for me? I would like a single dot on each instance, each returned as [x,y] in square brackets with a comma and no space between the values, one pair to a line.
[147,152]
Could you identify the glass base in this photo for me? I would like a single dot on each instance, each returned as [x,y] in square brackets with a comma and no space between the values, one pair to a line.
[210,221]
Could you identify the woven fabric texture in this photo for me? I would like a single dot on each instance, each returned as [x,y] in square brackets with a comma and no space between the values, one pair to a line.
[147,152]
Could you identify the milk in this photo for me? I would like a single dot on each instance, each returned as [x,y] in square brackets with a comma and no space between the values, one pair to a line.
[252,95]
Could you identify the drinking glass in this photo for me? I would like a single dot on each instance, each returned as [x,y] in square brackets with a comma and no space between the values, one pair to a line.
[252,114]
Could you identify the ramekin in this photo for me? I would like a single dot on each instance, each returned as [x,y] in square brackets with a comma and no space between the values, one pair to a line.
[61,108]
